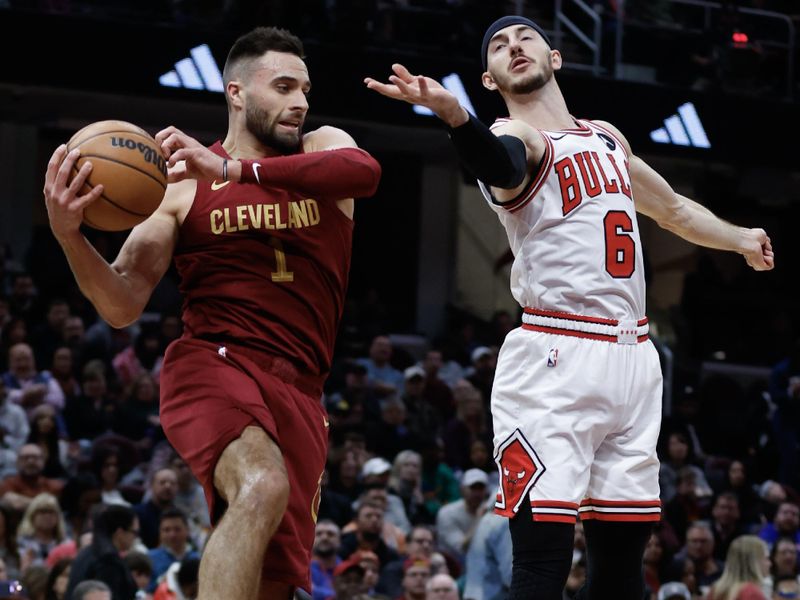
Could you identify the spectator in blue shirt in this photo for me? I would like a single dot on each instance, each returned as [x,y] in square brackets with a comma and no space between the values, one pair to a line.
[173,536]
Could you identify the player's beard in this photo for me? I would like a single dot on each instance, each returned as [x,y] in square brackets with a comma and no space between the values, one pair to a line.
[530,83]
[263,126]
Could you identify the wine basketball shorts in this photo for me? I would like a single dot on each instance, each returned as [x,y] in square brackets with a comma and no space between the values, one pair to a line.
[210,394]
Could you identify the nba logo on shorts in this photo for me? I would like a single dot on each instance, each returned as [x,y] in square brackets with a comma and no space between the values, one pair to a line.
[552,357]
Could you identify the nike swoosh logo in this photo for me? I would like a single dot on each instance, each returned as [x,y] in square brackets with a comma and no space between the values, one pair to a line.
[558,138]
[256,167]
[218,186]
[326,422]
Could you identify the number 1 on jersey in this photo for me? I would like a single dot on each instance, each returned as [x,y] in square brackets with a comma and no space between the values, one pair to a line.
[281,275]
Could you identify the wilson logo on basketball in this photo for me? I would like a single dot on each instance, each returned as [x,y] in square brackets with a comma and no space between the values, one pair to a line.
[149,154]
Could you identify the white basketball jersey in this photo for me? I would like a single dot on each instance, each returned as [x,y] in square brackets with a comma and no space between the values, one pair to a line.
[573,229]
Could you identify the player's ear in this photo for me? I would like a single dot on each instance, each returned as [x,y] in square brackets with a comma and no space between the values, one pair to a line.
[235,93]
[557,61]
[488,81]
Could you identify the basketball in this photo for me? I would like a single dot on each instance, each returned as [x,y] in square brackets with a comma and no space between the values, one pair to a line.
[129,164]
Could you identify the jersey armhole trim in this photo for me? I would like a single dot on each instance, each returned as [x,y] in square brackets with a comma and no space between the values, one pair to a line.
[536,182]
[612,134]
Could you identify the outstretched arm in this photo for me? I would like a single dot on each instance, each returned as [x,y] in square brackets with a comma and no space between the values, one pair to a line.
[693,222]
[500,158]
[334,168]
[120,291]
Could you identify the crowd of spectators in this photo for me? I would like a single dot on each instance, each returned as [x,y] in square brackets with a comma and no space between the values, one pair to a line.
[91,490]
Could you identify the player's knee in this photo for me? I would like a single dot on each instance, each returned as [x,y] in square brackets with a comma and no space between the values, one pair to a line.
[265,487]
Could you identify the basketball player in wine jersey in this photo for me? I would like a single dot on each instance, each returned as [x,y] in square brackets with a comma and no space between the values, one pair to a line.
[260,228]
[576,402]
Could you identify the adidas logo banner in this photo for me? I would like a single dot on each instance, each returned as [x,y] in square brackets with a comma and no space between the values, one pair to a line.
[198,71]
[682,129]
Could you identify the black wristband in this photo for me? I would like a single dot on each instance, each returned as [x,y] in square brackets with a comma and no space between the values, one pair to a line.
[224,169]
[497,161]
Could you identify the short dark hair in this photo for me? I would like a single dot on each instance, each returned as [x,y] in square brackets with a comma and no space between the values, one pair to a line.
[258,42]
[139,562]
[174,513]
[111,518]
[90,585]
[189,570]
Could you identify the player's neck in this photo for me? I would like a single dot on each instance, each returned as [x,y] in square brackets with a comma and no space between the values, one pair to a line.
[543,109]
[241,145]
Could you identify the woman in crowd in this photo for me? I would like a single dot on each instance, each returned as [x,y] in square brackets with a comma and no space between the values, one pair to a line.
[746,567]
[42,528]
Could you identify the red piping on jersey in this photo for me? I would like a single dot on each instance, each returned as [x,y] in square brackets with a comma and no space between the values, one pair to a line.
[574,317]
[553,504]
[630,517]
[621,503]
[555,518]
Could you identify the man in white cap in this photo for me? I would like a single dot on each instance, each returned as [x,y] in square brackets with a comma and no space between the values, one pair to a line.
[456,522]
[674,590]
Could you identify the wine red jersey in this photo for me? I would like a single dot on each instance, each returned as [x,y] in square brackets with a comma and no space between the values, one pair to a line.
[264,268]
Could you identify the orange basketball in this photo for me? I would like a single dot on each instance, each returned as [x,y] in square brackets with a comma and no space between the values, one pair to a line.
[129,164]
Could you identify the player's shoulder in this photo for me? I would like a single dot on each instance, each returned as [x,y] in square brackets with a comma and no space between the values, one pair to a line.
[327,138]
[511,126]
[611,130]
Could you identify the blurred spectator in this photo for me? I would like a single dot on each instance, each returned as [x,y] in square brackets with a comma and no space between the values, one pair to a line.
[441,587]
[655,563]
[699,550]
[784,559]
[14,426]
[181,581]
[383,378]
[416,573]
[28,387]
[115,531]
[348,580]
[439,378]
[93,413]
[80,495]
[421,544]
[457,521]
[480,457]
[685,507]
[327,539]
[173,536]
[137,418]
[107,469]
[674,590]
[738,483]
[333,505]
[784,390]
[481,374]
[142,571]
[439,484]
[746,565]
[468,424]
[393,534]
[62,370]
[92,590]
[678,456]
[34,583]
[22,297]
[143,357]
[163,489]
[725,523]
[785,524]
[44,433]
[367,536]
[57,580]
[390,435]
[47,335]
[190,497]
[424,417]
[786,587]
[348,406]
[488,561]
[405,482]
[17,491]
[42,528]
[8,547]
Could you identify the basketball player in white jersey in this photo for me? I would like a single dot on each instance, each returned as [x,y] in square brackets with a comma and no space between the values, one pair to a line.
[576,401]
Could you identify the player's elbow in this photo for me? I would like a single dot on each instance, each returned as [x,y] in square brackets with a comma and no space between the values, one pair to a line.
[371,176]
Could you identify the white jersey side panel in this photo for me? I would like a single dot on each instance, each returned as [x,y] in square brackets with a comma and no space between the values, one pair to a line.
[573,230]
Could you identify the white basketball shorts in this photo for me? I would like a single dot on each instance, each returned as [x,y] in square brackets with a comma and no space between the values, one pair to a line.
[576,408]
